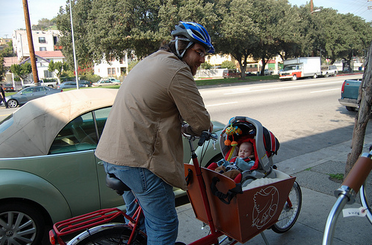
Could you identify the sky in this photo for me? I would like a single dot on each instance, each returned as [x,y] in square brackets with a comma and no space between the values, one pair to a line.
[12,15]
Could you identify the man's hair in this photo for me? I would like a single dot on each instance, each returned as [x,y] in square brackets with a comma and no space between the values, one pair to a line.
[171,46]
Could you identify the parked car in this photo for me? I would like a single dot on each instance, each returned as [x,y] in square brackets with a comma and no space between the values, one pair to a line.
[86,83]
[350,93]
[48,170]
[9,87]
[329,70]
[230,74]
[114,80]
[28,94]
[106,82]
[267,72]
[70,84]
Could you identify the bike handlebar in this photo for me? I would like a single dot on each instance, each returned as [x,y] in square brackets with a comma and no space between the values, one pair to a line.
[206,136]
[359,173]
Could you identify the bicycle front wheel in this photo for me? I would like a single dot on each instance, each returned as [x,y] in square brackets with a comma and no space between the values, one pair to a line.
[365,194]
[112,236]
[291,210]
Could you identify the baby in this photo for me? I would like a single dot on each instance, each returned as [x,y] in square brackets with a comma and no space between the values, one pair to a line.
[244,161]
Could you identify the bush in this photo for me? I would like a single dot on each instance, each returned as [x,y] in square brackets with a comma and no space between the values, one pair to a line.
[229,65]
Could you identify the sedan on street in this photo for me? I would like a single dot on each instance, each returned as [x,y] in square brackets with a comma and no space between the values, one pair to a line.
[48,170]
[70,84]
[27,94]
[105,82]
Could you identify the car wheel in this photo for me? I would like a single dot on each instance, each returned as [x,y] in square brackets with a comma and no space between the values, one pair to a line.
[20,224]
[315,76]
[12,103]
[349,108]
[294,78]
[326,75]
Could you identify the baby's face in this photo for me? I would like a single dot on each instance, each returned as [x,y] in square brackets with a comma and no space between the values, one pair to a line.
[245,150]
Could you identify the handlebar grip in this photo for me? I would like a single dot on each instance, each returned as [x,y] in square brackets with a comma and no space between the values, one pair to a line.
[358,173]
[203,137]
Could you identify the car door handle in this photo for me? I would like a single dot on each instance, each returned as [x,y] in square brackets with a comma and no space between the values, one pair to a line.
[100,163]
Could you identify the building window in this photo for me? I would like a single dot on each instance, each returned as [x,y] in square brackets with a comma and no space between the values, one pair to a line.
[42,49]
[48,74]
[111,71]
[42,40]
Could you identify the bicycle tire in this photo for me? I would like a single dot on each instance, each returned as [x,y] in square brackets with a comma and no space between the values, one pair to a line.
[365,195]
[112,236]
[289,214]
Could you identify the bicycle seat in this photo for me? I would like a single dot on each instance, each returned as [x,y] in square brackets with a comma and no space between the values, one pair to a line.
[116,184]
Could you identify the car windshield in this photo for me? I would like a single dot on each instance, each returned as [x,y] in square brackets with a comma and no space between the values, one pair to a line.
[6,123]
[289,68]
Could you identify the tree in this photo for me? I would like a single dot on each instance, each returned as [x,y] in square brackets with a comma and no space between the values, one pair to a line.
[206,66]
[297,42]
[228,64]
[21,70]
[58,68]
[8,50]
[2,68]
[44,24]
[235,31]
[276,24]
[362,118]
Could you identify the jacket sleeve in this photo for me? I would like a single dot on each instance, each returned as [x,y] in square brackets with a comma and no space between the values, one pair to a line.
[189,102]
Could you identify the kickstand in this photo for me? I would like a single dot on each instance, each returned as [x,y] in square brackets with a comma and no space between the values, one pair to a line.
[264,238]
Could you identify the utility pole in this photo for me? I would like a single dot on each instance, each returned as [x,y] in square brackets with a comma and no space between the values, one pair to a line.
[30,42]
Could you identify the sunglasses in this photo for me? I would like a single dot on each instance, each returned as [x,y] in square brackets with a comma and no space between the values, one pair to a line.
[200,53]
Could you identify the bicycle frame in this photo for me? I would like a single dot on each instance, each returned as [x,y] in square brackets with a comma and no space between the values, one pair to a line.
[94,222]
[105,216]
[347,192]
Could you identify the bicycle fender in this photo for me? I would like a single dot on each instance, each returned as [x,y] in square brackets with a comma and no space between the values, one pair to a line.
[94,230]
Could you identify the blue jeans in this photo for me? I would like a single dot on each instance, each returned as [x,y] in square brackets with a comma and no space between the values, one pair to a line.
[156,199]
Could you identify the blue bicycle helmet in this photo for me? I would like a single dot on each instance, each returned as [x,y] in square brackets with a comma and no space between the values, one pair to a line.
[194,33]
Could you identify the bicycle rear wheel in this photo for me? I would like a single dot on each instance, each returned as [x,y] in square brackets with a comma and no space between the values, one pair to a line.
[112,236]
[291,210]
[365,194]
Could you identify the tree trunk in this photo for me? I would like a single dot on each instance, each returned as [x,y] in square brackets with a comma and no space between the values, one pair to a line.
[362,118]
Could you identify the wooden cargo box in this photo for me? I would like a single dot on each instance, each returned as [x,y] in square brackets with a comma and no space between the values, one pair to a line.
[248,214]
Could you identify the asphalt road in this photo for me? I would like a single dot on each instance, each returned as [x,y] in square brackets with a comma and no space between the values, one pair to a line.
[304,115]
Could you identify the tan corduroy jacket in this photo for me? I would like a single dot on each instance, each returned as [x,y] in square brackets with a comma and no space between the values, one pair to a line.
[144,125]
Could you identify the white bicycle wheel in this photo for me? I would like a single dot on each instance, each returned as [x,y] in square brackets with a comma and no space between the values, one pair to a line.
[291,210]
[365,194]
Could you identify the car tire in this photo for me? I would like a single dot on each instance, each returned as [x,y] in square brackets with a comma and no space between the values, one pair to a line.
[315,76]
[294,78]
[24,224]
[12,103]
[349,108]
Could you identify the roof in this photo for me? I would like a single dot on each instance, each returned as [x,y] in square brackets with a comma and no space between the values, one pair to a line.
[36,123]
[50,54]
[8,61]
[38,59]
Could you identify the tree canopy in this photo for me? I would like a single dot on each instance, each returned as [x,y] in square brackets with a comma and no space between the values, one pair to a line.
[261,29]
[21,70]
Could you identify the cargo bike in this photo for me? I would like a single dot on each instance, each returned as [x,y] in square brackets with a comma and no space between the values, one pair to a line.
[235,211]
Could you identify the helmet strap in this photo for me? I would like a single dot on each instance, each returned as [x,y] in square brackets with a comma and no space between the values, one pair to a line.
[176,44]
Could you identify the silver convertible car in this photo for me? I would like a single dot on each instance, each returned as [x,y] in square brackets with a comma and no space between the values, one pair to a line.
[48,170]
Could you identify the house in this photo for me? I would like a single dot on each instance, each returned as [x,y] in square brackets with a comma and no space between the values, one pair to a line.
[43,58]
[8,62]
[42,41]
[114,68]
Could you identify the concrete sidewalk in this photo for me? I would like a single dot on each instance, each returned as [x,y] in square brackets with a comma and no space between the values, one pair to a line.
[312,171]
